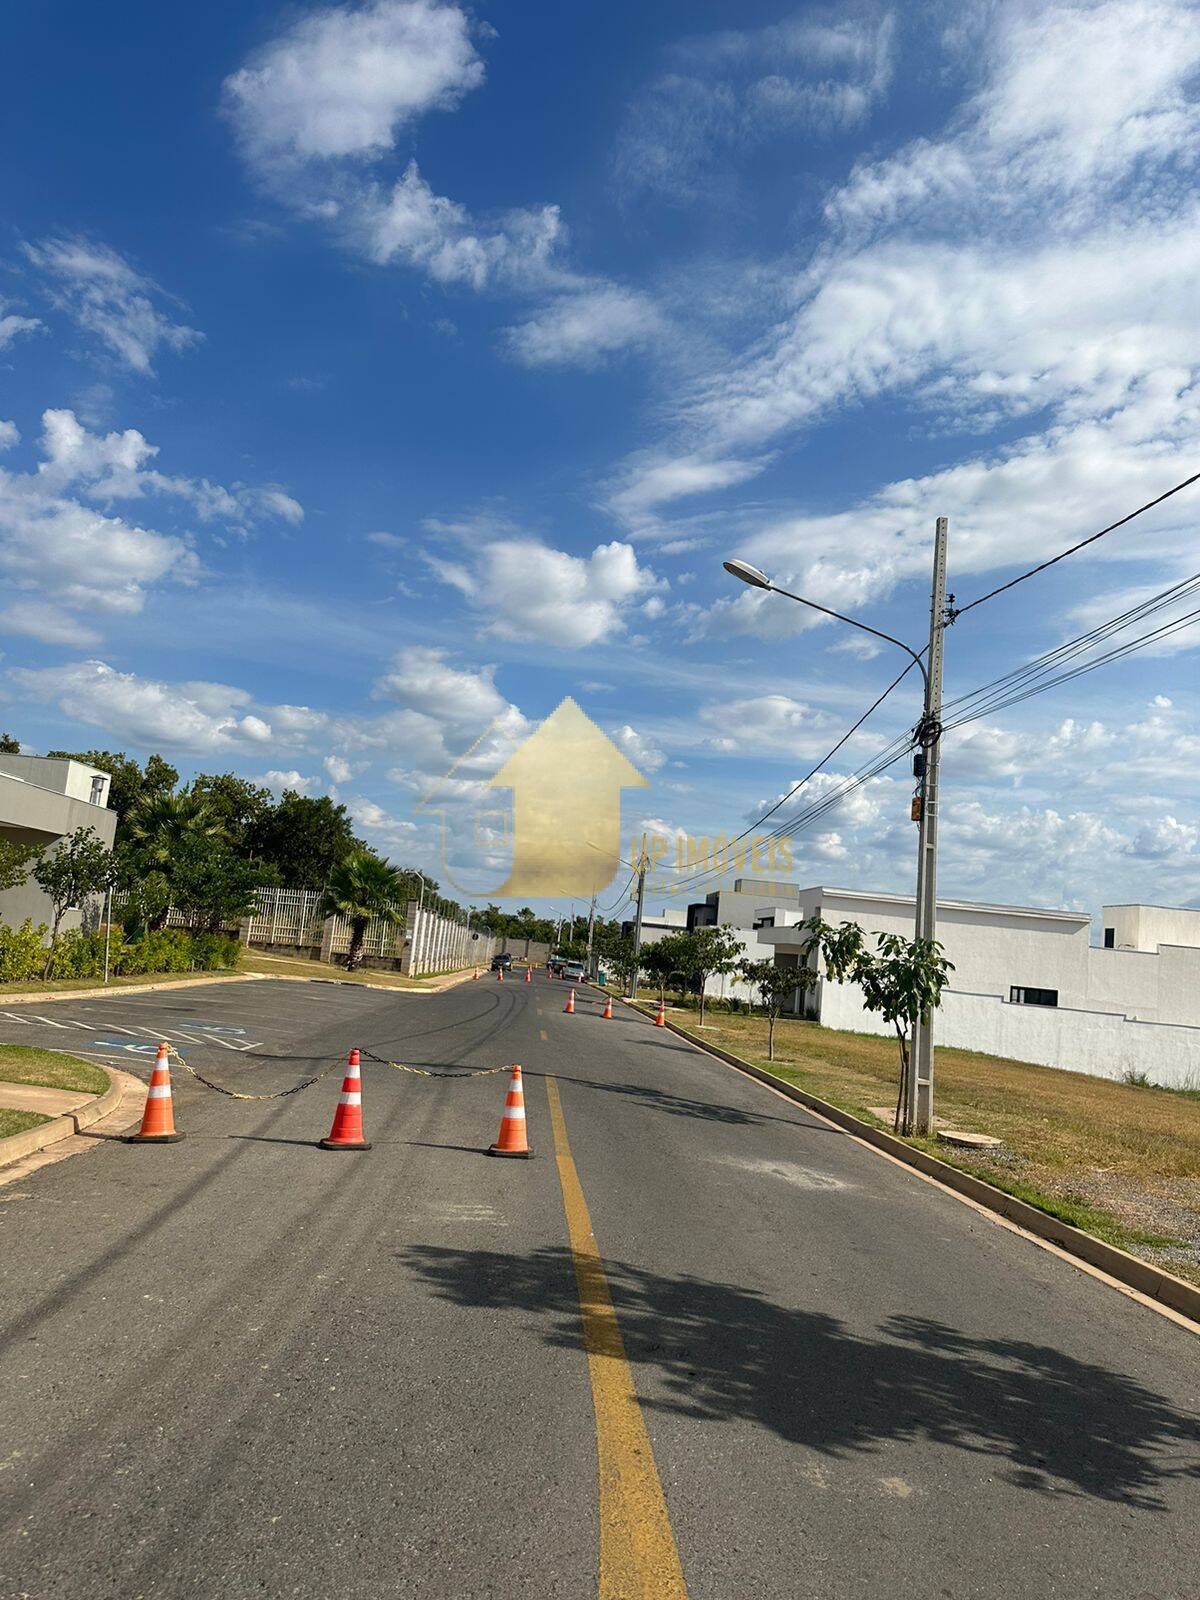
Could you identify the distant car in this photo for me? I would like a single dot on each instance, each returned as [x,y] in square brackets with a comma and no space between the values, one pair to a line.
[554,965]
[573,970]
[501,961]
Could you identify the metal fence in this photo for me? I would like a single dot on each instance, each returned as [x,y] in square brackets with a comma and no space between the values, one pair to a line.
[285,916]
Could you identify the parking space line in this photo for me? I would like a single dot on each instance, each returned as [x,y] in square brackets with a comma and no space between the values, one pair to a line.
[51,1022]
[15,1018]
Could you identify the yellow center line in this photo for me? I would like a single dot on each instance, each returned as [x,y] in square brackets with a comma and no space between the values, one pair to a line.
[545,1035]
[638,1558]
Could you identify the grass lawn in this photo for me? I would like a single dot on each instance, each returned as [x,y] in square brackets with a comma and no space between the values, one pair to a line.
[275,966]
[17,1121]
[1119,1161]
[14,991]
[20,1064]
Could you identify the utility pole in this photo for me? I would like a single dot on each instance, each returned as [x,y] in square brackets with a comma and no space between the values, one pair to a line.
[637,925]
[918,1109]
[591,931]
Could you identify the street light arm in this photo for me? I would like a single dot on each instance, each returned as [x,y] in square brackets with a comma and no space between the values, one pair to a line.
[863,626]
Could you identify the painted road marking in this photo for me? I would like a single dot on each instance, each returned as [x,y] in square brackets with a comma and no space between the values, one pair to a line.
[119,1044]
[545,1035]
[638,1558]
[14,1018]
[51,1022]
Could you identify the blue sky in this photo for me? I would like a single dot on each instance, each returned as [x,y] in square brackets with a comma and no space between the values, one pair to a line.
[373,376]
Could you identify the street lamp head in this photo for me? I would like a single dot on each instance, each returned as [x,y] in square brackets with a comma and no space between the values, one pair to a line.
[748,574]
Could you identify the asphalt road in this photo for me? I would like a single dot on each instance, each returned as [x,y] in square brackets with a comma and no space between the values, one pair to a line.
[244,1366]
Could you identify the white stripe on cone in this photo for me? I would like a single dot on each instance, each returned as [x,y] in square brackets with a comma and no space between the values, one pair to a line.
[350,1099]
[159,1091]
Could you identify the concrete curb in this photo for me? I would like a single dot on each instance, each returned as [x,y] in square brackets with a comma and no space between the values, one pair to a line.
[18,1145]
[1148,1280]
[127,988]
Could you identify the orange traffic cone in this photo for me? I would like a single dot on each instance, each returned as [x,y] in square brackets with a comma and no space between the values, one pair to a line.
[528,978]
[569,1008]
[660,1020]
[499,974]
[158,1119]
[347,1130]
[475,974]
[512,1140]
[607,1009]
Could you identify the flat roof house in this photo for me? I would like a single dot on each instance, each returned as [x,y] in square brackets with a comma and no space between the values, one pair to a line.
[42,799]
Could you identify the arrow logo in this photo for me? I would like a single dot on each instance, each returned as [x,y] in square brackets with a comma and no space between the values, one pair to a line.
[566,781]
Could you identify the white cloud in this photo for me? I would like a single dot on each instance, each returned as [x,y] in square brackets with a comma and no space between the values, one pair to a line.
[9,435]
[338,769]
[200,718]
[382,828]
[726,94]
[530,592]
[109,299]
[12,326]
[296,781]
[650,481]
[581,328]
[341,82]
[320,108]
[49,623]
[641,750]
[65,556]
[771,724]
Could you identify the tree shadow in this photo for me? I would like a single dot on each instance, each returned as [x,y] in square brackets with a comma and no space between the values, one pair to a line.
[723,1352]
[679,1105]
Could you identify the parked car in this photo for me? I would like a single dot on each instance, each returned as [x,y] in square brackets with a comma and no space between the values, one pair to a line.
[501,961]
[573,970]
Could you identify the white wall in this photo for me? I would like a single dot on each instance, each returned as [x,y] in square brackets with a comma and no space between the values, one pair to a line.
[1146,927]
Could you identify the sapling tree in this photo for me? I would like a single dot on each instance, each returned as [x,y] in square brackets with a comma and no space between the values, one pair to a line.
[774,985]
[715,951]
[901,979]
[80,864]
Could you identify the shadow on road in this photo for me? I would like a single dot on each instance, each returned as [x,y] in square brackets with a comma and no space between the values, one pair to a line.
[723,1352]
[679,1105]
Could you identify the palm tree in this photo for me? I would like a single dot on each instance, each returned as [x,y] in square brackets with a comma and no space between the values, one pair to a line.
[363,886]
[160,825]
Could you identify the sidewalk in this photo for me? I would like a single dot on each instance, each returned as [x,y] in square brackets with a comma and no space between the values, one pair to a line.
[77,1121]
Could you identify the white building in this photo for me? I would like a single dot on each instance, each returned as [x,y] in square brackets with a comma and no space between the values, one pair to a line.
[43,798]
[1027,983]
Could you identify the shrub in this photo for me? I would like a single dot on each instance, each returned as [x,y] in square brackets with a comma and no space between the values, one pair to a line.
[77,955]
[22,953]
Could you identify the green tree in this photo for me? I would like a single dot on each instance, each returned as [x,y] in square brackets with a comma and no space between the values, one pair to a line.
[716,952]
[9,746]
[361,887]
[214,885]
[901,979]
[674,955]
[304,839]
[78,865]
[237,804]
[15,862]
[774,985]
[620,957]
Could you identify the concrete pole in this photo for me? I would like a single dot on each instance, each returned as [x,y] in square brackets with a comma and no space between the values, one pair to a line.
[637,925]
[918,1110]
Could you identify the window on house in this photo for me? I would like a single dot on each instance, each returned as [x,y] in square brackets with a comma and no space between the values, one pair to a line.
[97,791]
[1110,938]
[1020,996]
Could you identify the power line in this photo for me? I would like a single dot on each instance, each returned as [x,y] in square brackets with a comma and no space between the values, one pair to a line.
[960,611]
[1164,631]
[795,789]
[1035,675]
